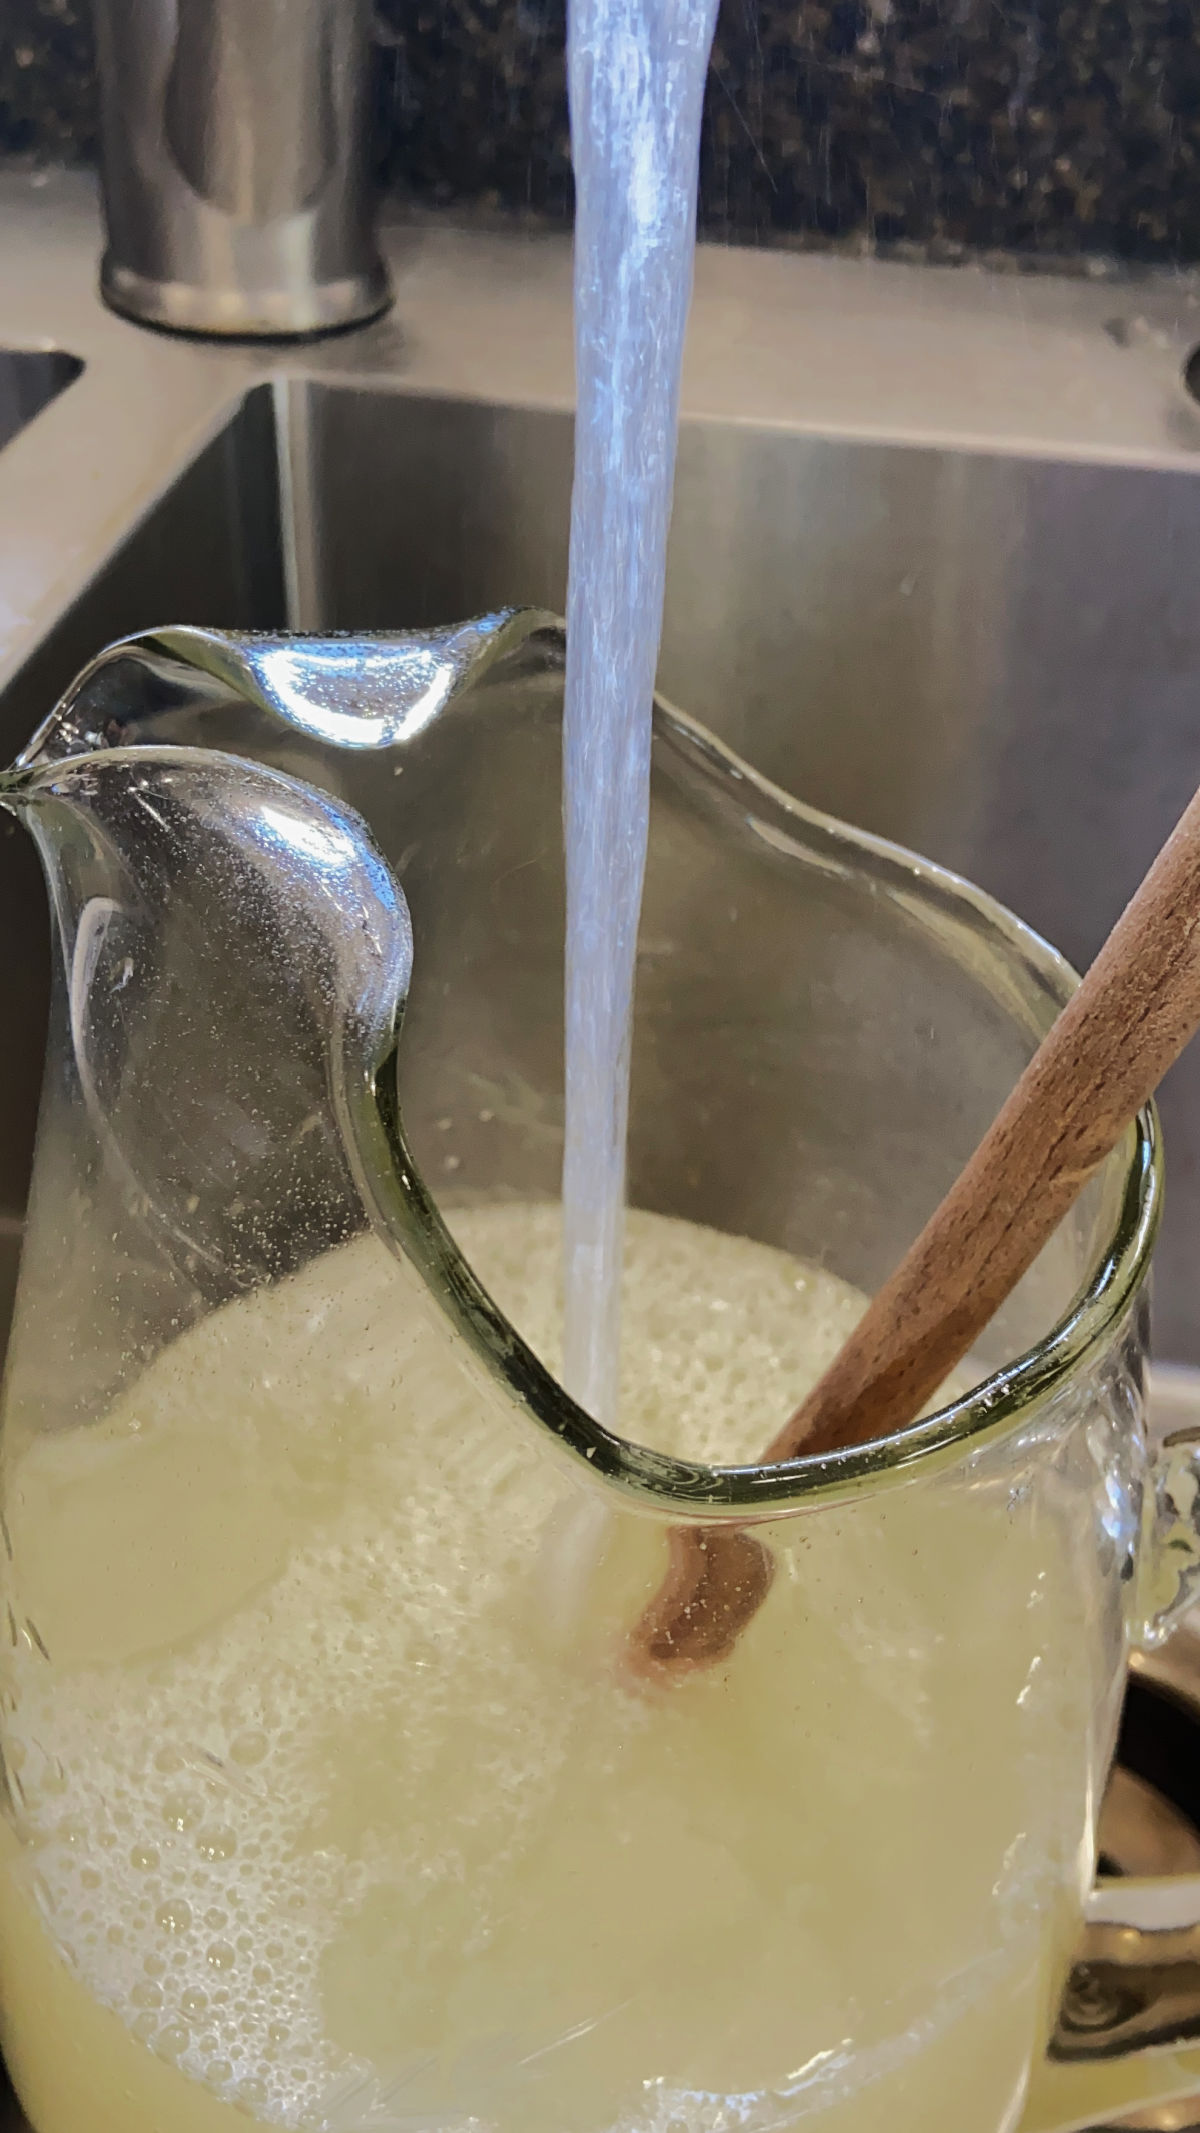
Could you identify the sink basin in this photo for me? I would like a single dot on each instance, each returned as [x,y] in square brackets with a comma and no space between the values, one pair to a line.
[932,568]
[29,379]
[932,565]
[991,658]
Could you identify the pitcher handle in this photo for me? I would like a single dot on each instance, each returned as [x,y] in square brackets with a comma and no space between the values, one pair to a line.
[1127,2036]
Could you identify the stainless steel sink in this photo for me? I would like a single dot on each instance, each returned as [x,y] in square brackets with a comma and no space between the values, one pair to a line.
[933,565]
[936,544]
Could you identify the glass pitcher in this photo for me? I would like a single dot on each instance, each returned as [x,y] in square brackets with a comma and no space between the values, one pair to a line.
[331,1798]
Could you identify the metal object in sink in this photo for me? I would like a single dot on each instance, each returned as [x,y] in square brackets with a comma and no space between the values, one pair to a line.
[1149,1826]
[234,160]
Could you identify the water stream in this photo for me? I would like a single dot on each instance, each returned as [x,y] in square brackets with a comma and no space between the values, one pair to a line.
[636,72]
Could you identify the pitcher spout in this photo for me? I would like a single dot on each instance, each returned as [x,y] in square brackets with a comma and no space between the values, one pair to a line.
[233,956]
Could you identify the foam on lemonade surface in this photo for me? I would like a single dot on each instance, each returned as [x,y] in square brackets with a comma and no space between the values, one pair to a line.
[338,1810]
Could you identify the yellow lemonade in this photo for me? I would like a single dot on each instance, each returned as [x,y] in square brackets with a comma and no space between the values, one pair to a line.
[332,1803]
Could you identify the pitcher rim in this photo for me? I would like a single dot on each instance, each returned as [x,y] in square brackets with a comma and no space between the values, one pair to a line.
[688,1489]
[685,1489]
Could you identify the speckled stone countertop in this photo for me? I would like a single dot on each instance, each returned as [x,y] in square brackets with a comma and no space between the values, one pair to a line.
[1061,131]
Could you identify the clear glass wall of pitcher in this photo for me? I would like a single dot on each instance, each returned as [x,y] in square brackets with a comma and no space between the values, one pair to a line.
[331,1798]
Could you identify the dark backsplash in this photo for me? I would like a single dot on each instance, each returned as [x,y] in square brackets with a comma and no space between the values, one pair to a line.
[1050,128]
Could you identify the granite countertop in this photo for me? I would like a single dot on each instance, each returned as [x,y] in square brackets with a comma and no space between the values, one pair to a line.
[940,127]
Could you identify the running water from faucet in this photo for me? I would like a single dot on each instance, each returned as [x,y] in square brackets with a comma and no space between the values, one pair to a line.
[636,72]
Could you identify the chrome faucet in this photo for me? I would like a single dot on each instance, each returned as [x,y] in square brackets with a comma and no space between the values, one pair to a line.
[234,164]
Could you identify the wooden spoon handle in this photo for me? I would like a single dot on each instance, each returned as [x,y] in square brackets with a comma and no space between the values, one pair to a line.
[1104,1057]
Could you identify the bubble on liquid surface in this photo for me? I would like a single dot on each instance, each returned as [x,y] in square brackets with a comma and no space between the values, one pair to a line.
[216,1844]
[183,1810]
[372,1739]
[175,1916]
